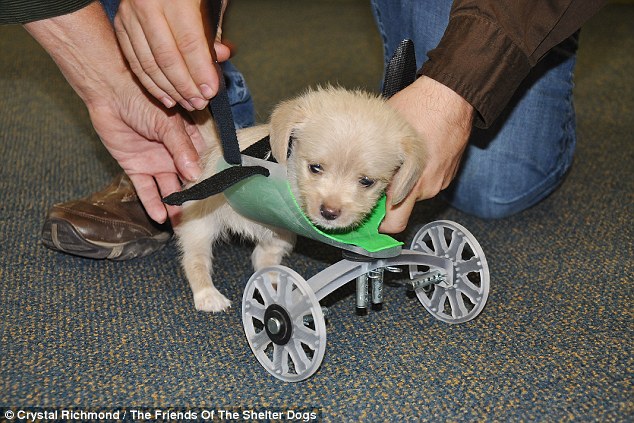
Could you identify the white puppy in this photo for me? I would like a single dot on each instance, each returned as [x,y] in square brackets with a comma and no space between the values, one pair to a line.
[345,147]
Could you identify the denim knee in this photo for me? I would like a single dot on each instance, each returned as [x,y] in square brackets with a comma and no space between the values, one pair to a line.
[503,196]
[516,170]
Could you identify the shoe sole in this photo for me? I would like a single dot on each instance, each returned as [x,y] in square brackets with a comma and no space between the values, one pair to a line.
[60,235]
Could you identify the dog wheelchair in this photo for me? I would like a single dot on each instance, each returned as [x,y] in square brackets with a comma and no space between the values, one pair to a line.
[283,320]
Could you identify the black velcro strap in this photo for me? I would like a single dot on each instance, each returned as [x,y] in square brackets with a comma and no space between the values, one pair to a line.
[215,184]
[219,105]
[221,111]
[260,150]
[401,71]
[215,7]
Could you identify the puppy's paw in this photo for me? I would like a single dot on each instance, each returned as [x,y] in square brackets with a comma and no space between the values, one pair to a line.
[211,300]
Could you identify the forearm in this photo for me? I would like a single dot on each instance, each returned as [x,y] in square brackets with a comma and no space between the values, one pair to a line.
[85,49]
[490,46]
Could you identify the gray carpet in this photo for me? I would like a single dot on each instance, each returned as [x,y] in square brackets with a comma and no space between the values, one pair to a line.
[554,342]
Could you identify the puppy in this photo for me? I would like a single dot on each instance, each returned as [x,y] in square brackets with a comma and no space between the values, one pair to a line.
[345,148]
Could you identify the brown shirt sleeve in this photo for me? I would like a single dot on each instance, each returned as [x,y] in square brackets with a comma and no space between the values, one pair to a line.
[24,11]
[490,46]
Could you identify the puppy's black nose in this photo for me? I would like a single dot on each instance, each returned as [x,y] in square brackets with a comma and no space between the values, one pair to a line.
[329,213]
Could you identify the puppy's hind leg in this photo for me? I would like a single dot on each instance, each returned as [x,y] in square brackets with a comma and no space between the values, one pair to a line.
[197,238]
[271,248]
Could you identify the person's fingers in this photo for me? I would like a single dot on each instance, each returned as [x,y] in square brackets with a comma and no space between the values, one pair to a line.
[433,180]
[135,66]
[195,136]
[158,54]
[223,52]
[148,193]
[189,34]
[169,183]
[143,58]
[397,215]
[162,61]
[166,48]
[179,143]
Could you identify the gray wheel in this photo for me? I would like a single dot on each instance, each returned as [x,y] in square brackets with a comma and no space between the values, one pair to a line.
[284,323]
[467,296]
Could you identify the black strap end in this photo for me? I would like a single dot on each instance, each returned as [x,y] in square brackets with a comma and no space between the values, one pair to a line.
[215,184]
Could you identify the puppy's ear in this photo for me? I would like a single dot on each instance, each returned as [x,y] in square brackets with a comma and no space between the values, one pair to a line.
[413,161]
[287,117]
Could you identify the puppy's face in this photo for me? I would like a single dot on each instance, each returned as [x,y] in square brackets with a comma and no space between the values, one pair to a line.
[346,147]
[337,179]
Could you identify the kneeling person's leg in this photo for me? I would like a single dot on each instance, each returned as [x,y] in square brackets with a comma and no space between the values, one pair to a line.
[526,154]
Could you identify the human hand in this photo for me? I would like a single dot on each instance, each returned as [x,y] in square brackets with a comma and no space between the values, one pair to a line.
[444,120]
[151,144]
[166,45]
[156,147]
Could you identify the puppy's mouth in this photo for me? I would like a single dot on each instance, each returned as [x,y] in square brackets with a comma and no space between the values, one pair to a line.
[331,219]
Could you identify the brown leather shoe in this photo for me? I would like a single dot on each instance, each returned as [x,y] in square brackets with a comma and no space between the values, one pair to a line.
[110,224]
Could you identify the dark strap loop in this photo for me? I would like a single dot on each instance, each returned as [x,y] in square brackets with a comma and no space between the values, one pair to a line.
[401,70]
[215,9]
[219,106]
[221,111]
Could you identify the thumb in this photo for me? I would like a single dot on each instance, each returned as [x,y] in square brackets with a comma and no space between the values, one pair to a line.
[397,216]
[180,145]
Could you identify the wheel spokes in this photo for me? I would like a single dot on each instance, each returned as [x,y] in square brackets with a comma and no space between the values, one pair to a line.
[265,287]
[260,340]
[285,291]
[468,266]
[465,297]
[256,309]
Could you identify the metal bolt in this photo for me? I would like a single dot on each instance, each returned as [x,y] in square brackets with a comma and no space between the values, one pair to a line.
[274,325]
[376,276]
[362,291]
[308,319]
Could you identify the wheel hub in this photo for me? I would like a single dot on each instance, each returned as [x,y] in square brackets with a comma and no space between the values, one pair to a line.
[278,324]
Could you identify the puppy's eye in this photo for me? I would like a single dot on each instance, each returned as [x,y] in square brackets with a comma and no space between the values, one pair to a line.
[315,168]
[366,182]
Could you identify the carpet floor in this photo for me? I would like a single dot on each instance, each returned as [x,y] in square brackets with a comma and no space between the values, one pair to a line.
[554,342]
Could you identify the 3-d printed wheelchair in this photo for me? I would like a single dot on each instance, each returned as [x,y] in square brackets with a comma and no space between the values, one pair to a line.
[282,317]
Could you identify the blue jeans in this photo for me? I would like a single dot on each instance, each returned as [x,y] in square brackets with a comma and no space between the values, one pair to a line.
[237,90]
[526,154]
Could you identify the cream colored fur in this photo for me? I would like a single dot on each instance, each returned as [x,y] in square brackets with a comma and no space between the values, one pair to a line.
[342,141]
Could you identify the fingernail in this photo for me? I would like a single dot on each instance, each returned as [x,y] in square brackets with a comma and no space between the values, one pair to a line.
[206,91]
[193,170]
[186,105]
[198,103]
[168,102]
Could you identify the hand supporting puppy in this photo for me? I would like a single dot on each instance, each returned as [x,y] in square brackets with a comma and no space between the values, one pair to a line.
[165,42]
[443,120]
[149,142]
